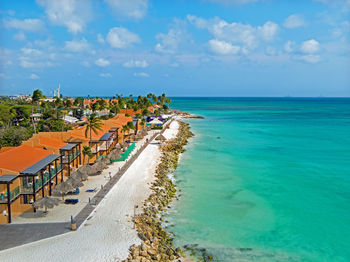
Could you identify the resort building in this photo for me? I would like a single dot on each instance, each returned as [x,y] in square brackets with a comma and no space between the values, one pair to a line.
[31,171]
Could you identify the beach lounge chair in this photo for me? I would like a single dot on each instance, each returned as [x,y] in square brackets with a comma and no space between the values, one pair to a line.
[71,201]
[91,190]
[76,192]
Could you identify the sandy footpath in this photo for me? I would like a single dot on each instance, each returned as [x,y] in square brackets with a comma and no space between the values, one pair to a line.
[108,233]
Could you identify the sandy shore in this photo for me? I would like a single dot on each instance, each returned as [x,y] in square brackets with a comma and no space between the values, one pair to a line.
[108,233]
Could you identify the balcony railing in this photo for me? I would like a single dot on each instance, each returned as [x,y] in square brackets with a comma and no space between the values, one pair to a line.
[13,194]
[28,189]
[70,157]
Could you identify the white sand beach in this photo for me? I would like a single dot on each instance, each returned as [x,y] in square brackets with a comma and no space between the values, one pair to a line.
[108,232]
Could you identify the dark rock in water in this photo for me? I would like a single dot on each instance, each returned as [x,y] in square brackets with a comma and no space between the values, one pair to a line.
[244,249]
[218,137]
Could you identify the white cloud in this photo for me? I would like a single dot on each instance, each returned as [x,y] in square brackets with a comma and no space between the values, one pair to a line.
[310,58]
[31,51]
[100,39]
[101,62]
[310,46]
[289,47]
[136,63]
[105,75]
[268,31]
[73,14]
[77,45]
[223,48]
[30,25]
[176,38]
[34,76]
[294,21]
[20,36]
[119,37]
[142,74]
[134,9]
[245,36]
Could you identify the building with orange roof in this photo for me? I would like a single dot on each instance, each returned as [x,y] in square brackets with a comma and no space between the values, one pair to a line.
[26,174]
[30,171]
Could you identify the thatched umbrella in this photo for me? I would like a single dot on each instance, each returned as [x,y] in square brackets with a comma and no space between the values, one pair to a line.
[115,155]
[160,138]
[80,175]
[46,202]
[124,144]
[117,146]
[97,167]
[139,136]
[74,182]
[62,189]
[87,169]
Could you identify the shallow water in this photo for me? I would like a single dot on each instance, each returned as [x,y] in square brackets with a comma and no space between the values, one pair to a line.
[266,179]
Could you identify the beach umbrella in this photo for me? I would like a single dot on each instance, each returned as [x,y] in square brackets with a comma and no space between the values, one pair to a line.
[86,169]
[46,202]
[74,182]
[124,144]
[149,128]
[117,146]
[156,121]
[62,188]
[160,138]
[144,132]
[138,136]
[115,155]
[80,175]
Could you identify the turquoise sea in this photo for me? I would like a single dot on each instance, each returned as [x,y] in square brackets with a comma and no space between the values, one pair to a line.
[266,179]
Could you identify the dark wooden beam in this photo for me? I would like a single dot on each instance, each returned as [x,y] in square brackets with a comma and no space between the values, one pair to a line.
[9,202]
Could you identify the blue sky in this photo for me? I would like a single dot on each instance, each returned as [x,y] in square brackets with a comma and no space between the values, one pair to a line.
[182,48]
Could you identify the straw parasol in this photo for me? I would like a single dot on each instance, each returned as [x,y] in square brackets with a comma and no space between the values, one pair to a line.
[160,138]
[124,144]
[74,182]
[80,175]
[87,169]
[97,167]
[144,132]
[46,202]
[115,155]
[62,189]
[139,136]
[117,146]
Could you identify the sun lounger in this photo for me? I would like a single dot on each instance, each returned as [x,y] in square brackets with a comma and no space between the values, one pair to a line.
[71,201]
[76,192]
[91,190]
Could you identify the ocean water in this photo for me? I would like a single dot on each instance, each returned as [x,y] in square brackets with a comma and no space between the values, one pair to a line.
[266,179]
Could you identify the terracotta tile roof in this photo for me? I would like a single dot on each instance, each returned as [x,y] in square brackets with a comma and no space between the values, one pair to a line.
[6,148]
[21,157]
[45,141]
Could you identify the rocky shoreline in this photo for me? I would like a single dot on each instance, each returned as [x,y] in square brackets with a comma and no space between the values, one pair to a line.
[157,244]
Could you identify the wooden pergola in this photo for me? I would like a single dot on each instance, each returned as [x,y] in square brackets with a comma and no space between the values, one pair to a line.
[70,152]
[38,169]
[8,180]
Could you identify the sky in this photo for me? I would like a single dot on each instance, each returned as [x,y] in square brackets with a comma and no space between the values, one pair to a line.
[179,47]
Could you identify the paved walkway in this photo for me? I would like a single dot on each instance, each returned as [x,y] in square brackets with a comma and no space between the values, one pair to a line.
[12,235]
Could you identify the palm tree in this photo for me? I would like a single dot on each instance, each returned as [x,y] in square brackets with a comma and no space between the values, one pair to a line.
[124,129]
[93,123]
[87,152]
